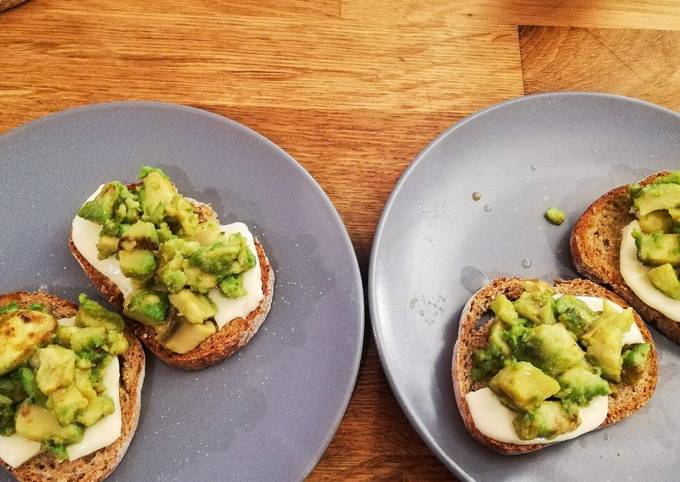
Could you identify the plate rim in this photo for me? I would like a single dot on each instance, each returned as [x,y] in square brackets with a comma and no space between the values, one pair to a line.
[374,315]
[336,218]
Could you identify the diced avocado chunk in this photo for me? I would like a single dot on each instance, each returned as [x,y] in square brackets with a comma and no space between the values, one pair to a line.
[553,349]
[21,333]
[138,264]
[97,409]
[82,338]
[232,286]
[56,368]
[658,248]
[225,257]
[30,385]
[180,211]
[141,235]
[580,385]
[522,386]
[554,216]
[604,341]
[547,421]
[207,233]
[195,307]
[66,403]
[11,387]
[91,313]
[40,424]
[673,177]
[665,279]
[147,306]
[9,308]
[497,338]
[654,197]
[172,275]
[635,361]
[656,222]
[155,193]
[100,209]
[198,279]
[488,362]
[107,246]
[7,414]
[504,310]
[674,213]
[535,304]
[574,314]
[188,336]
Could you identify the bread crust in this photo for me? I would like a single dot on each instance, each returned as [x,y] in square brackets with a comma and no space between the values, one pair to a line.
[100,464]
[473,335]
[595,247]
[224,343]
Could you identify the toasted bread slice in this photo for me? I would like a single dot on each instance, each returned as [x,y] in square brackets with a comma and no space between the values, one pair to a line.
[595,246]
[98,465]
[473,333]
[224,343]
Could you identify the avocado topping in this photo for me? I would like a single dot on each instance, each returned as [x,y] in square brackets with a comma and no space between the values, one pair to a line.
[657,208]
[554,216]
[51,385]
[545,357]
[174,256]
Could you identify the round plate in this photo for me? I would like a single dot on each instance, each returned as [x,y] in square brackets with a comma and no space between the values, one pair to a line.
[267,413]
[435,246]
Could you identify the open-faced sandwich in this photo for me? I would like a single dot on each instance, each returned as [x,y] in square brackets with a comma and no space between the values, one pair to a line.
[629,241]
[70,388]
[196,290]
[536,364]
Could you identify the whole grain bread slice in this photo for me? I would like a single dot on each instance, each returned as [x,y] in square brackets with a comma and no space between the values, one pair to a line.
[473,333]
[595,246]
[98,465]
[225,342]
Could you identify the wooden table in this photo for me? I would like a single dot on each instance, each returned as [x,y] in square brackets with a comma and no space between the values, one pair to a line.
[353,89]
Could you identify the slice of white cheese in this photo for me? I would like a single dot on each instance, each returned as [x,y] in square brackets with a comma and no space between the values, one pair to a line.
[494,419]
[230,308]
[635,275]
[108,429]
[15,450]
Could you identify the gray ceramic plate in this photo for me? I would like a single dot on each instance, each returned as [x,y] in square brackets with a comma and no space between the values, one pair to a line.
[269,412]
[435,246]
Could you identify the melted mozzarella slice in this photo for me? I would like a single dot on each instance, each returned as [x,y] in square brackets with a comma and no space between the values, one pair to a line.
[635,275]
[230,308]
[494,419]
[108,429]
[15,450]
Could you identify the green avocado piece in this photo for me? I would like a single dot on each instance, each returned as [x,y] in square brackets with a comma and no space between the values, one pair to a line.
[574,314]
[504,310]
[522,386]
[181,212]
[41,425]
[658,248]
[553,349]
[56,368]
[207,233]
[139,264]
[141,235]
[225,257]
[547,421]
[580,385]
[87,337]
[147,306]
[535,303]
[635,361]
[665,279]
[654,197]
[604,341]
[107,246]
[198,279]
[171,274]
[497,339]
[97,409]
[91,313]
[673,177]
[66,403]
[21,334]
[12,388]
[555,216]
[156,192]
[100,209]
[195,307]
[656,222]
[188,336]
[232,286]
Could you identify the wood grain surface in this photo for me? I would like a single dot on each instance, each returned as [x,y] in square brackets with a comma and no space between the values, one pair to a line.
[353,89]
